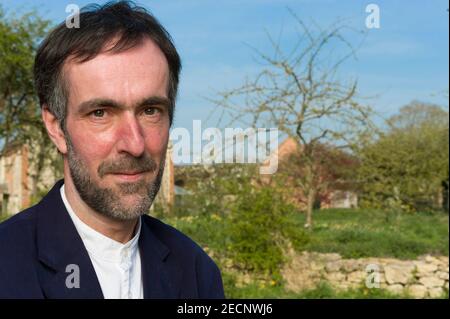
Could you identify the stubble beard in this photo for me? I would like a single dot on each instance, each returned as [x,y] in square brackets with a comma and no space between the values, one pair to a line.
[108,201]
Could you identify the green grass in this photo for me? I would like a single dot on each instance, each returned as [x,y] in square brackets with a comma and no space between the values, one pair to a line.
[322,291]
[367,233]
[352,233]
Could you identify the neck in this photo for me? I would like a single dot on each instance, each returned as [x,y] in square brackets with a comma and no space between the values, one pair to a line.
[120,231]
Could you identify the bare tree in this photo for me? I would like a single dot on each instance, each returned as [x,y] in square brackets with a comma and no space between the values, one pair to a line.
[299,92]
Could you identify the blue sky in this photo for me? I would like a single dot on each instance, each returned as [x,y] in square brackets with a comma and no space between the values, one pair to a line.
[405,59]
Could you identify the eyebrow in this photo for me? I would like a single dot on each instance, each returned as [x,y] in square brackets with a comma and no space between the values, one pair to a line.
[96,103]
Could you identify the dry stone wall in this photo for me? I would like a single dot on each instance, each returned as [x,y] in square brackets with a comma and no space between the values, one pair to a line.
[425,277]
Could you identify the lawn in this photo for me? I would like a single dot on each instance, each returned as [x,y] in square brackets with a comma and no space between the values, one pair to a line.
[322,291]
[353,233]
[370,233]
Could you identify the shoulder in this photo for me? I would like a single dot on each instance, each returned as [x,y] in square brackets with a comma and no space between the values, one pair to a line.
[197,265]
[174,239]
[17,254]
[17,229]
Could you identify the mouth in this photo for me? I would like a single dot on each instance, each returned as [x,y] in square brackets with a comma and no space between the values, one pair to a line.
[129,176]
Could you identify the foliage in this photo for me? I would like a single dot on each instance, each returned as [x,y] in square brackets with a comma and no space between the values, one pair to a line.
[213,188]
[259,229]
[19,108]
[335,171]
[20,117]
[240,219]
[406,167]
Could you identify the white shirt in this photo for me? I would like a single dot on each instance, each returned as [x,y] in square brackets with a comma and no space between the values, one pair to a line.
[117,265]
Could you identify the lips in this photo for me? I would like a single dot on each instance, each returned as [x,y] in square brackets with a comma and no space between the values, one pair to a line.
[129,176]
[129,173]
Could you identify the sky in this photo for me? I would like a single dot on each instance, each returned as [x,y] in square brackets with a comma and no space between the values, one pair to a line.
[406,59]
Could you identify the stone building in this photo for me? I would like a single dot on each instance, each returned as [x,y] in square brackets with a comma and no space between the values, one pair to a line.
[14,181]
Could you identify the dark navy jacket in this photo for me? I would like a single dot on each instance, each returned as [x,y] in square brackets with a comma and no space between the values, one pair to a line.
[38,244]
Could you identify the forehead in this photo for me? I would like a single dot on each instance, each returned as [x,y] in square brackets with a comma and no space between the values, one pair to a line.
[125,77]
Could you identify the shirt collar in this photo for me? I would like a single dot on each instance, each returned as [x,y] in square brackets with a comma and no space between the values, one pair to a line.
[100,245]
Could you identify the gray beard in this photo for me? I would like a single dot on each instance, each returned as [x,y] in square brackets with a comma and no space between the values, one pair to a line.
[107,201]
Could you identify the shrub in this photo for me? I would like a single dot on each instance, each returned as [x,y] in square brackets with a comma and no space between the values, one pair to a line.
[259,228]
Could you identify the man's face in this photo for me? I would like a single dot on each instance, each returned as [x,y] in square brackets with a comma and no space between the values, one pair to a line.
[117,129]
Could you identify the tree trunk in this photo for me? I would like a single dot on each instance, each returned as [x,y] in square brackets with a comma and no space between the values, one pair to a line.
[310,206]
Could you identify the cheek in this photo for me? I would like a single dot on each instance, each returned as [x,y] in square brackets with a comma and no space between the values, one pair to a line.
[156,142]
[92,149]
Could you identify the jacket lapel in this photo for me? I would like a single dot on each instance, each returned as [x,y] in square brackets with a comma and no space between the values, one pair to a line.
[60,249]
[62,253]
[161,276]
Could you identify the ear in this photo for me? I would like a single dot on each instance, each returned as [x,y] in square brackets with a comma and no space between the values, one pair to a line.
[54,129]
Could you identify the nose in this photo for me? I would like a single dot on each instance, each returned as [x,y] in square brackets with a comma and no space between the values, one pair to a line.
[130,137]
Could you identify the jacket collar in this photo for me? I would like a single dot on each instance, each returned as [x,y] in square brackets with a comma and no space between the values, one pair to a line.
[60,246]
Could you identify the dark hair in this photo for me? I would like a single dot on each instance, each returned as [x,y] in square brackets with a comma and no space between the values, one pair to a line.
[98,26]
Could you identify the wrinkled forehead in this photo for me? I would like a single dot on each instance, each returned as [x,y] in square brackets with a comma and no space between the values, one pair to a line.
[126,76]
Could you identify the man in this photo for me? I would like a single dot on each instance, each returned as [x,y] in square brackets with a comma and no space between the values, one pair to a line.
[107,92]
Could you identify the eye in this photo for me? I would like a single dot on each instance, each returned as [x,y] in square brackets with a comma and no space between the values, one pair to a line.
[151,111]
[98,113]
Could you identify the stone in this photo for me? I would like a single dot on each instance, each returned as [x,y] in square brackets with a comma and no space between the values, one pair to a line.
[395,289]
[315,267]
[423,277]
[443,267]
[332,257]
[423,268]
[443,259]
[350,265]
[417,291]
[431,282]
[332,267]
[431,260]
[436,292]
[398,274]
[442,275]
[335,277]
[357,276]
